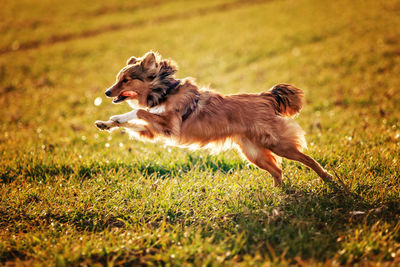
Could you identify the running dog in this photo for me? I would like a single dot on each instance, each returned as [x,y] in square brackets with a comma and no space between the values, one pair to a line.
[260,124]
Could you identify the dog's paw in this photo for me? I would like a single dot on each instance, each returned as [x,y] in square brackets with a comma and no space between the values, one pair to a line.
[119,119]
[102,125]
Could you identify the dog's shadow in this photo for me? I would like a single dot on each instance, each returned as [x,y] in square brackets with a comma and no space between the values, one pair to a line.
[197,163]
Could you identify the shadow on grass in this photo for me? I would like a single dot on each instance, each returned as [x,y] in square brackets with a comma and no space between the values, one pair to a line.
[81,220]
[311,225]
[305,224]
[44,172]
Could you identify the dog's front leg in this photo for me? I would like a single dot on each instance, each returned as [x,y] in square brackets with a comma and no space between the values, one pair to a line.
[123,118]
[108,125]
[166,124]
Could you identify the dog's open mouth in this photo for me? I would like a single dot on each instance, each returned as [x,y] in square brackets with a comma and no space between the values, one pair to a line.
[124,95]
[119,99]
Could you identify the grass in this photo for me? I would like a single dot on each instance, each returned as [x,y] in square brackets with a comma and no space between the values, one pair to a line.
[71,195]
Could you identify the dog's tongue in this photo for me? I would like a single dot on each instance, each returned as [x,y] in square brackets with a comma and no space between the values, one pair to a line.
[129,93]
[124,95]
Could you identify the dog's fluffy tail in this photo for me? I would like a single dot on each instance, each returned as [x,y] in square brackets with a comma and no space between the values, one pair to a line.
[288,100]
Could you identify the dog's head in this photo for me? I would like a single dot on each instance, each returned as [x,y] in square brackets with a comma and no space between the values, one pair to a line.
[146,79]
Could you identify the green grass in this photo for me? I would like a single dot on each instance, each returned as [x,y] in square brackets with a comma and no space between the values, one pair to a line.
[72,195]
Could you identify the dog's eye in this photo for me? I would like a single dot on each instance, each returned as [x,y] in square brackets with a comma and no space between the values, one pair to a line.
[151,77]
[125,80]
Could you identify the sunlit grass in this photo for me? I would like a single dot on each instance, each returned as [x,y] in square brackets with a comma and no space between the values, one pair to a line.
[71,194]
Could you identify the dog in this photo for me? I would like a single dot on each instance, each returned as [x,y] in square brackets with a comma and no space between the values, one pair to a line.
[261,125]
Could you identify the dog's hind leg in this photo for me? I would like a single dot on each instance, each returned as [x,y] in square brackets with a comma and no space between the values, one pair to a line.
[293,153]
[262,158]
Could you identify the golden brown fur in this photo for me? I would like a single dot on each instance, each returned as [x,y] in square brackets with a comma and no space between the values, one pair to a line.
[259,124]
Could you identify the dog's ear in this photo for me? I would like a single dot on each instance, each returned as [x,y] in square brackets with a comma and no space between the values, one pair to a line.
[149,61]
[131,60]
[169,66]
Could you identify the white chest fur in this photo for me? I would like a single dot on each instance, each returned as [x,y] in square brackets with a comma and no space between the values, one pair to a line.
[157,109]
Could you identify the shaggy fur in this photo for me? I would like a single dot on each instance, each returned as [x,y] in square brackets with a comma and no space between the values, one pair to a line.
[260,124]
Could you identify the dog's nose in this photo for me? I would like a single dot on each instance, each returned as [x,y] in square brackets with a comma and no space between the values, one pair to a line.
[108,93]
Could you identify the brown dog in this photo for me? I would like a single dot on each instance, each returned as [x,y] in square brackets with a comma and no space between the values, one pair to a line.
[259,124]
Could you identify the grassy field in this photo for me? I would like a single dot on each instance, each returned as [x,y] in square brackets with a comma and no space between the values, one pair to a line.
[72,195]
